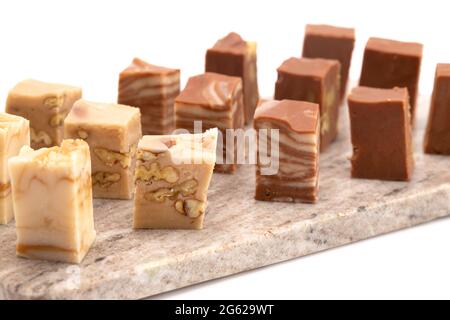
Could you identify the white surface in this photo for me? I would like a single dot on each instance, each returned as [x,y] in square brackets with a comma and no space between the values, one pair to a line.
[88,43]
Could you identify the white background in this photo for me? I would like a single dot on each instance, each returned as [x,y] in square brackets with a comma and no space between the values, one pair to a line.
[87,43]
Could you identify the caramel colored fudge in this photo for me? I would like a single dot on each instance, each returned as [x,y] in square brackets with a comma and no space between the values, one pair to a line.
[298,125]
[329,42]
[45,105]
[235,57]
[153,90]
[14,134]
[216,101]
[52,194]
[381,134]
[172,179]
[388,64]
[112,132]
[316,81]
[437,136]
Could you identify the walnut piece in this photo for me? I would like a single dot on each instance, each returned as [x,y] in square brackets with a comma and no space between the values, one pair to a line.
[83,134]
[110,158]
[56,120]
[187,188]
[54,102]
[155,172]
[194,208]
[40,137]
[145,155]
[159,195]
[105,179]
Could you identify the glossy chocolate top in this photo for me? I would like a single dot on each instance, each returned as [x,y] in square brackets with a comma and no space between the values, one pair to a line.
[307,67]
[324,30]
[396,47]
[374,95]
[141,67]
[231,43]
[443,70]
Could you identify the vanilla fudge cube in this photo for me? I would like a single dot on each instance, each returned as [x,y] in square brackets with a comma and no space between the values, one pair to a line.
[52,196]
[45,105]
[172,179]
[14,134]
[112,132]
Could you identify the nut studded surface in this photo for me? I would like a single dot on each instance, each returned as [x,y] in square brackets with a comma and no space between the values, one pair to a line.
[240,233]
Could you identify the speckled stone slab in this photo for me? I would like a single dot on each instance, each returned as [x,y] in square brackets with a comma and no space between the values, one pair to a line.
[240,234]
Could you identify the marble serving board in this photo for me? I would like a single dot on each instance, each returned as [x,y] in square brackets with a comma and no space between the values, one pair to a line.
[240,233]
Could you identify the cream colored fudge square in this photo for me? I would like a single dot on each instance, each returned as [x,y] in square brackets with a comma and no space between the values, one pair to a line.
[172,180]
[112,132]
[14,134]
[52,196]
[45,105]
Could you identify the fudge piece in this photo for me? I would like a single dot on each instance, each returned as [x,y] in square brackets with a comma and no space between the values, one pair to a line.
[381,134]
[112,132]
[45,105]
[52,194]
[235,57]
[216,101]
[329,42]
[172,180]
[388,64]
[316,81]
[152,89]
[298,125]
[437,135]
[14,134]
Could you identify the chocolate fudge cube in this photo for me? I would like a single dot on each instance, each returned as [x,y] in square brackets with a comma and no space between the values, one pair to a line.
[235,57]
[381,134]
[298,125]
[388,64]
[316,81]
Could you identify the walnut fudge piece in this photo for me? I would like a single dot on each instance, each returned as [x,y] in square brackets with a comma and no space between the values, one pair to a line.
[14,134]
[52,195]
[299,137]
[388,64]
[112,132]
[381,134]
[152,89]
[329,42]
[316,81]
[45,105]
[216,101]
[172,179]
[235,57]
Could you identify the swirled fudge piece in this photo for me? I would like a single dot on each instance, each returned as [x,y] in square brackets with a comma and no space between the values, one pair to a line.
[152,89]
[14,134]
[316,81]
[52,195]
[330,42]
[216,101]
[295,125]
[172,179]
[45,105]
[388,64]
[112,132]
[233,56]
[381,134]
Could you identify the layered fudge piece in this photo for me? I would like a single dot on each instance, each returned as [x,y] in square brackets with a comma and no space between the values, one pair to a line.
[388,64]
[329,42]
[437,136]
[152,89]
[235,57]
[45,105]
[298,125]
[216,101]
[316,81]
[112,132]
[52,195]
[14,134]
[172,179]
[381,134]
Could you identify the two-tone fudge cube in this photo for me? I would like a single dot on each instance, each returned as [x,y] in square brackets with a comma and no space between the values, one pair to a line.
[233,56]
[295,126]
[381,134]
[172,179]
[45,105]
[153,90]
[316,81]
[14,134]
[215,100]
[388,64]
[52,194]
[112,132]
